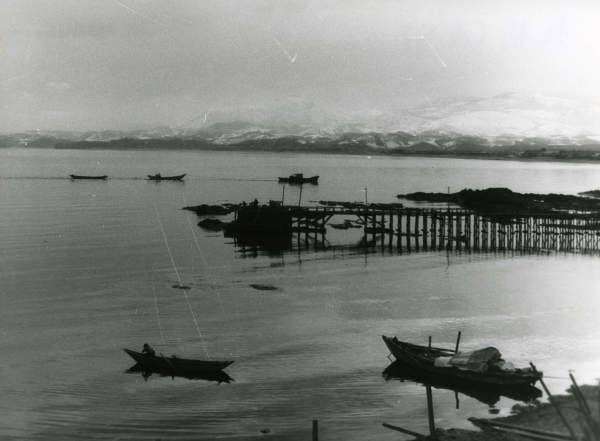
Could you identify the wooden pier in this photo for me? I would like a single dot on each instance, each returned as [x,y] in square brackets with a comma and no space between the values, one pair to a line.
[422,229]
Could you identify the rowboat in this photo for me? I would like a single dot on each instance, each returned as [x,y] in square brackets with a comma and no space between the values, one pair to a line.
[484,366]
[176,366]
[147,372]
[298,178]
[489,394]
[158,177]
[88,177]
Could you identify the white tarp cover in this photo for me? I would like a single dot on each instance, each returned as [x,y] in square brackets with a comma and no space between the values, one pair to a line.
[476,361]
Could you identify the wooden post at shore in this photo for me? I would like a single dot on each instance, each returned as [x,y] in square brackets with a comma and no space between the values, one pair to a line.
[383,231]
[390,229]
[449,231]
[399,232]
[435,229]
[459,233]
[417,231]
[425,230]
[442,231]
[408,231]
[315,430]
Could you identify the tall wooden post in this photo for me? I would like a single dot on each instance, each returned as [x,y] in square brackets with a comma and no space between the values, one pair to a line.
[399,232]
[442,230]
[390,230]
[417,230]
[430,417]
[434,230]
[408,231]
[425,230]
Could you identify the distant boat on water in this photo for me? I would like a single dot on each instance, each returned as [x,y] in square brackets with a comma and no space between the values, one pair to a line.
[101,177]
[159,177]
[298,178]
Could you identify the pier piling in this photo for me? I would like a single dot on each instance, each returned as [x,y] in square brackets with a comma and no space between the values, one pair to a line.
[420,229]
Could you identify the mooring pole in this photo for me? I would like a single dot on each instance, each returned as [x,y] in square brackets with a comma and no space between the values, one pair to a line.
[300,195]
[457,343]
[283,194]
[430,411]
[315,430]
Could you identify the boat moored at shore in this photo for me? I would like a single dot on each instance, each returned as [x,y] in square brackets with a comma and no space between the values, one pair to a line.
[484,366]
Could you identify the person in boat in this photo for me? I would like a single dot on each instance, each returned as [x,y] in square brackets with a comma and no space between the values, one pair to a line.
[148,350]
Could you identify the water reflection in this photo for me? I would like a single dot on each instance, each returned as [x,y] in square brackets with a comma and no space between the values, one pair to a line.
[487,394]
[249,246]
[253,245]
[198,374]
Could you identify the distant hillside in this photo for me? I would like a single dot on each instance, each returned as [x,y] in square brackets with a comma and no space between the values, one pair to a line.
[248,137]
[137,144]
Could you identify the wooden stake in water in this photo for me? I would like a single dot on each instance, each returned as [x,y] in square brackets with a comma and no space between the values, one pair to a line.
[430,411]
[315,430]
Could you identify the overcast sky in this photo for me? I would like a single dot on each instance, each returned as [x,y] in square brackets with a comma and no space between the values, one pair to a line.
[104,64]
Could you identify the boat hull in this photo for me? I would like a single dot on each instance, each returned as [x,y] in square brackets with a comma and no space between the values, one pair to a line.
[422,358]
[314,180]
[166,178]
[178,366]
[489,394]
[100,177]
[147,372]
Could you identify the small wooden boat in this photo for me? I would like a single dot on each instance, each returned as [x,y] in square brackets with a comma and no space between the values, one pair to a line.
[102,177]
[190,374]
[158,177]
[298,179]
[485,367]
[176,366]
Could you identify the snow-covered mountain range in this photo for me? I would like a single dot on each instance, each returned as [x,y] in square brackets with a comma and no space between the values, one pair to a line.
[507,122]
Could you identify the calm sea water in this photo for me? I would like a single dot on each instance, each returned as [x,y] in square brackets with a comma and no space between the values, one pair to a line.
[86,270]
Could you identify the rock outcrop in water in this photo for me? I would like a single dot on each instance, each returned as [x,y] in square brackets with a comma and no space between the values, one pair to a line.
[203,210]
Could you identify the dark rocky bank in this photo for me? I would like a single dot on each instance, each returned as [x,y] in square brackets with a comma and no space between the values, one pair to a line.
[504,201]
